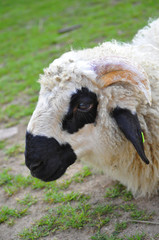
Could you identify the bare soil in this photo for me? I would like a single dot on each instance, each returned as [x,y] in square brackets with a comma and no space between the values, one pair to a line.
[94,185]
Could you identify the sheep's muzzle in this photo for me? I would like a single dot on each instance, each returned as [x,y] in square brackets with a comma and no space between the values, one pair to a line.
[46,158]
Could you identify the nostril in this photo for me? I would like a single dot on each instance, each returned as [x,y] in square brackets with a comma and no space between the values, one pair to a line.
[36,165]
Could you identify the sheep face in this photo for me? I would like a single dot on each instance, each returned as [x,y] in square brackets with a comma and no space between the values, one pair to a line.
[53,146]
[85,110]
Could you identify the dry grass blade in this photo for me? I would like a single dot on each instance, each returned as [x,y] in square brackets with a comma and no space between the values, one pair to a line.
[144,222]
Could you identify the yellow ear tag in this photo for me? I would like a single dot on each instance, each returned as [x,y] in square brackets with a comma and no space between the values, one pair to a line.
[143,139]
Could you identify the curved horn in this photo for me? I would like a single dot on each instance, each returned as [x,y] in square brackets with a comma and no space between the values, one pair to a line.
[113,70]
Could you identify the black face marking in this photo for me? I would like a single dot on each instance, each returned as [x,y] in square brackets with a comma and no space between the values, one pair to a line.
[46,158]
[82,110]
[129,124]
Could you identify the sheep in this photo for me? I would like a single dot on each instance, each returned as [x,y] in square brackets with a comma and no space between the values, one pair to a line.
[101,105]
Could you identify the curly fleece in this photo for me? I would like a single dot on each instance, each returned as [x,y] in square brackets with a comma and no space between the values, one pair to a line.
[103,145]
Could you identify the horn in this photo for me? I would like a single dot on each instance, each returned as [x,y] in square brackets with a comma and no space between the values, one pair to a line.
[113,70]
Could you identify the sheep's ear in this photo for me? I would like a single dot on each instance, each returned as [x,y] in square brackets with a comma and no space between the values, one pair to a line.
[129,124]
[115,70]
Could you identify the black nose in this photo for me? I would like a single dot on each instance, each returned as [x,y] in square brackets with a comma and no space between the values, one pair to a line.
[46,158]
[34,166]
[38,149]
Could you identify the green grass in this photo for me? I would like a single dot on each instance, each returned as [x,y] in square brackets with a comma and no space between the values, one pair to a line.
[9,214]
[30,40]
[119,227]
[80,176]
[81,214]
[141,215]
[73,209]
[14,183]
[61,218]
[103,209]
[14,150]
[136,213]
[103,236]
[57,197]
[28,200]
[2,145]
[137,237]
[128,207]
[5,178]
[156,236]
[118,190]
[68,216]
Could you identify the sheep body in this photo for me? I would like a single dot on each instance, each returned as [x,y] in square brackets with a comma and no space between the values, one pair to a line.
[111,152]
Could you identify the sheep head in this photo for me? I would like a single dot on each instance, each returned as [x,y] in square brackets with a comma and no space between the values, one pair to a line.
[87,108]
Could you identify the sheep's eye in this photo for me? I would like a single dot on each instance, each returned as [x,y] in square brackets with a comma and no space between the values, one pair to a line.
[82,110]
[84,107]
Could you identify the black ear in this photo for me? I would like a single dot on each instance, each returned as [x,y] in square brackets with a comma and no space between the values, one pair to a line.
[129,124]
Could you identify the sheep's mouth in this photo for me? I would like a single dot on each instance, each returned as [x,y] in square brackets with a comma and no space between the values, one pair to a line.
[48,177]
[46,158]
[49,172]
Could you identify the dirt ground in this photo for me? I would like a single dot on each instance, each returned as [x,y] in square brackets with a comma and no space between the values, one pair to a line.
[95,185]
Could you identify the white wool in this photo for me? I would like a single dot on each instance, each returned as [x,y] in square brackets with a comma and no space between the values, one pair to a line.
[149,35]
[103,144]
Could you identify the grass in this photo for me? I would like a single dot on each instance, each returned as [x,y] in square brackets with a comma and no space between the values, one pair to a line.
[2,145]
[118,190]
[9,214]
[103,209]
[29,41]
[103,236]
[73,209]
[14,150]
[141,215]
[5,178]
[61,218]
[128,207]
[80,176]
[28,200]
[67,216]
[137,237]
[81,214]
[14,183]
[58,197]
[156,236]
[120,226]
